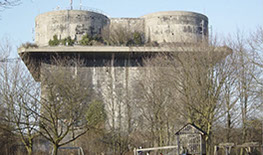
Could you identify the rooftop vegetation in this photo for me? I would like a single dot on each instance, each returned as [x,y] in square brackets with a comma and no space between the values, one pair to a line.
[29,45]
[118,38]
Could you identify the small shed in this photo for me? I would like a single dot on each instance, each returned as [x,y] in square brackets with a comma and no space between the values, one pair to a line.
[191,140]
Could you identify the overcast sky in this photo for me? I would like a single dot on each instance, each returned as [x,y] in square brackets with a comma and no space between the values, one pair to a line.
[225,16]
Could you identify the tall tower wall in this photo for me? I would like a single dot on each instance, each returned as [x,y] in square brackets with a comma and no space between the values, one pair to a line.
[64,23]
[161,27]
[130,24]
[175,26]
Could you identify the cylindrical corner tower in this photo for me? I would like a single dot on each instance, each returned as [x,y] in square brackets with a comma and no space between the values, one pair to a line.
[64,23]
[175,26]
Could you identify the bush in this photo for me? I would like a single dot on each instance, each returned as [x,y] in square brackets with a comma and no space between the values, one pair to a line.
[121,36]
[137,38]
[29,45]
[54,42]
[98,38]
[85,40]
[68,41]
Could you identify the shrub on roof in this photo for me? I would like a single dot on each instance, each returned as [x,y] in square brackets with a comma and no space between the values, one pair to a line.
[68,41]
[54,42]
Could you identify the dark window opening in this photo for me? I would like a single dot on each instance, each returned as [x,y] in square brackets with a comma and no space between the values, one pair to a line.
[200,30]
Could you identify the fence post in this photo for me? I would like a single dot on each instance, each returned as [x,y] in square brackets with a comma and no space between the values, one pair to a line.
[215,150]
[134,151]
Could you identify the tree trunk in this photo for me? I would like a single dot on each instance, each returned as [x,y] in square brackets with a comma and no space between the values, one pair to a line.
[29,150]
[228,133]
[55,149]
[208,139]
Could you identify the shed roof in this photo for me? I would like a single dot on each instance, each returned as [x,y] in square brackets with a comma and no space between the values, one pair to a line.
[190,129]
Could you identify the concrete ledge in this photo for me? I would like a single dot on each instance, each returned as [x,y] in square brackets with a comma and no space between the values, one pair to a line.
[97,49]
[34,56]
[114,49]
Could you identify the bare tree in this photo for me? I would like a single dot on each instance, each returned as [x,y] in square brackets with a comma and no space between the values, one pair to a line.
[6,128]
[242,89]
[15,81]
[156,105]
[64,101]
[6,4]
[230,99]
[5,49]
[248,82]
[60,114]
[255,43]
[196,77]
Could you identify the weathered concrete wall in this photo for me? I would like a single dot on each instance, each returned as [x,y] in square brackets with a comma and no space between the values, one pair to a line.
[162,27]
[116,85]
[64,23]
[131,24]
[114,82]
[175,26]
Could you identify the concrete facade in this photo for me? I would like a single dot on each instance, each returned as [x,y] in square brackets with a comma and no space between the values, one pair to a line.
[130,24]
[160,27]
[175,26]
[113,70]
[113,73]
[64,23]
